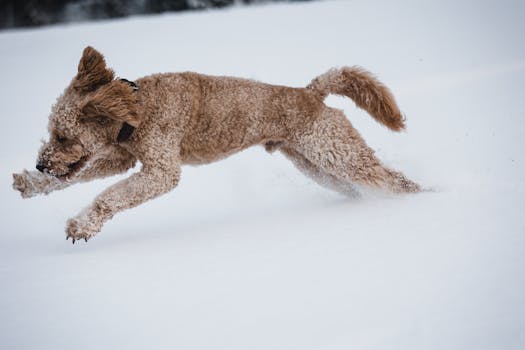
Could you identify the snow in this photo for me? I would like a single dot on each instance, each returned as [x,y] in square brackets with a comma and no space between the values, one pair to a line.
[247,253]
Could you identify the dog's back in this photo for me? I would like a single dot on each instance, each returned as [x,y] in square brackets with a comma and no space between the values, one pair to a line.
[222,115]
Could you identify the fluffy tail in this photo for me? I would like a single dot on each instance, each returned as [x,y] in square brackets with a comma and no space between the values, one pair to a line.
[367,92]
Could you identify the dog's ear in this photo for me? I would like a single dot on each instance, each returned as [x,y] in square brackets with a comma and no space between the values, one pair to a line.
[92,71]
[116,101]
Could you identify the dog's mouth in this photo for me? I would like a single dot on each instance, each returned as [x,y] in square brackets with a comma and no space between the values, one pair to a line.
[74,168]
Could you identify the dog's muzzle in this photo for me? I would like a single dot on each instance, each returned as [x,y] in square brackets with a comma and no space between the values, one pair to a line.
[40,167]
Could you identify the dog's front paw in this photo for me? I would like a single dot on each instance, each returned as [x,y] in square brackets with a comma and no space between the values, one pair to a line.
[32,183]
[23,184]
[78,229]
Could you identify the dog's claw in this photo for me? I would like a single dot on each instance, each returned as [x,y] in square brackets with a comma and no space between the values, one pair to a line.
[78,230]
[73,241]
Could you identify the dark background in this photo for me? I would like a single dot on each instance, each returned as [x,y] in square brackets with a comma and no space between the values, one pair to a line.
[30,13]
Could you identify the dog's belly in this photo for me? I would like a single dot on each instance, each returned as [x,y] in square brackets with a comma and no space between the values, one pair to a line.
[196,150]
[197,158]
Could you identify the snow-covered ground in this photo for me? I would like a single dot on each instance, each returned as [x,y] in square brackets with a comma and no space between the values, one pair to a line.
[247,253]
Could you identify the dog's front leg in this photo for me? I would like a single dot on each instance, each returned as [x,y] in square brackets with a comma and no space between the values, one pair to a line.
[32,183]
[149,183]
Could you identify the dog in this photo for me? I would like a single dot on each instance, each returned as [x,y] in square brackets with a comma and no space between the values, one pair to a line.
[101,126]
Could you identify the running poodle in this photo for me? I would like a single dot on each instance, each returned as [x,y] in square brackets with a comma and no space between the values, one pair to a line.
[101,126]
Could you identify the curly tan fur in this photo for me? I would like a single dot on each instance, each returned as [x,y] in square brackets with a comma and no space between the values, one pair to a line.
[92,71]
[367,92]
[190,118]
[115,100]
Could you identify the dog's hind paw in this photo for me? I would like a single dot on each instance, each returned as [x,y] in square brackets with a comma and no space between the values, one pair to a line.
[80,229]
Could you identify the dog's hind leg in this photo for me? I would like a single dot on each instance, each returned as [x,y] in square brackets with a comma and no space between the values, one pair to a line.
[317,174]
[334,146]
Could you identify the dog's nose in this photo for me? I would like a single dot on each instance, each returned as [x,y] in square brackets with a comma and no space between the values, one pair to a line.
[40,167]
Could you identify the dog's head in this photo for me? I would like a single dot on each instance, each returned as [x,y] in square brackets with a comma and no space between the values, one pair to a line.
[87,117]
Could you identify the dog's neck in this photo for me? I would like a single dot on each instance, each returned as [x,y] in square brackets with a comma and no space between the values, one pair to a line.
[127,130]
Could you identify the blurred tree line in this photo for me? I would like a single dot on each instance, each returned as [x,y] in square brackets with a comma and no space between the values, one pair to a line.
[26,13]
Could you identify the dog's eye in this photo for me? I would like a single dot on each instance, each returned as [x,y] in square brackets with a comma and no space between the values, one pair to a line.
[61,139]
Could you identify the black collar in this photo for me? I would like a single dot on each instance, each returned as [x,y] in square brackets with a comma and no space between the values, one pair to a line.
[130,83]
[127,130]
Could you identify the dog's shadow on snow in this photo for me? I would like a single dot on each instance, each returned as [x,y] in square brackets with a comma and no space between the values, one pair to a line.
[176,227]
